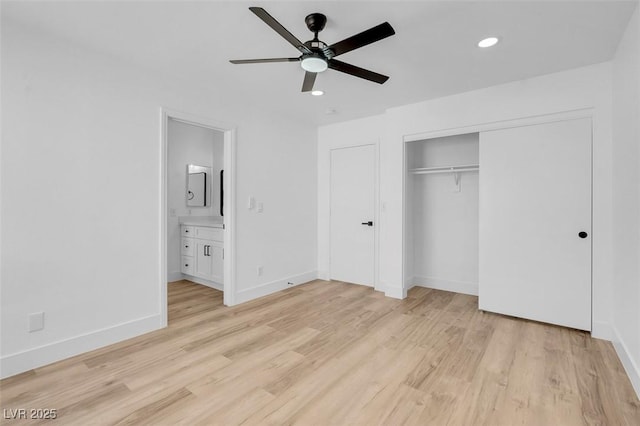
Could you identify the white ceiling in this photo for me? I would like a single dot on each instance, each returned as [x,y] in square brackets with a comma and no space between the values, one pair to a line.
[433,53]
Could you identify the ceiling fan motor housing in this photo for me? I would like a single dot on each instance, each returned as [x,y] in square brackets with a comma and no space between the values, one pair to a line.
[315,22]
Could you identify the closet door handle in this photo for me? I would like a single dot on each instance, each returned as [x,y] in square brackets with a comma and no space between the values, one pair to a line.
[370,223]
[583,234]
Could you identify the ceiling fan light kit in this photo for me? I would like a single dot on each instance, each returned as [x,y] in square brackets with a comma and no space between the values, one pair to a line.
[314,64]
[316,56]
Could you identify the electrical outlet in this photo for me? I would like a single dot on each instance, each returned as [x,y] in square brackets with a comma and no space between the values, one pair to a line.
[36,321]
[251,202]
[259,270]
[260,207]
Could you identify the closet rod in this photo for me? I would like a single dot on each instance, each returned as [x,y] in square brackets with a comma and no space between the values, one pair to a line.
[446,169]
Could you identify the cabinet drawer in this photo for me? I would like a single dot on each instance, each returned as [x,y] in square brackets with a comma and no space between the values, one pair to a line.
[214,234]
[187,247]
[187,231]
[187,266]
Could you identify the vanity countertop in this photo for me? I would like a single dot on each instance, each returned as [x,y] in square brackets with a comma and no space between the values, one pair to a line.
[209,221]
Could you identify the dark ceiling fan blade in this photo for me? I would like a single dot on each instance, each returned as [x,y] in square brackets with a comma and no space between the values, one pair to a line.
[262,61]
[309,79]
[271,21]
[357,71]
[369,36]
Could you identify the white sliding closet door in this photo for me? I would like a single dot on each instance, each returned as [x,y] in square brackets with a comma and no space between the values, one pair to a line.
[535,222]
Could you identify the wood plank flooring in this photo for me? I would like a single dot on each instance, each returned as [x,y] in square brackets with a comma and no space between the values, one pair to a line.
[331,353]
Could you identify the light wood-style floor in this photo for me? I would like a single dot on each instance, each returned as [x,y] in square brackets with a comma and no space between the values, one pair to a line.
[330,353]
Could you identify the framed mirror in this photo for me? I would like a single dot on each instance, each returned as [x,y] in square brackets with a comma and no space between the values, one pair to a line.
[198,186]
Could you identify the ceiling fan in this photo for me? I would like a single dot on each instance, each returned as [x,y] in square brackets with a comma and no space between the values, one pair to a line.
[316,55]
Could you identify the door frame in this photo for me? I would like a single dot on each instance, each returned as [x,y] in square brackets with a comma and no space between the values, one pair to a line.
[376,210]
[484,127]
[229,131]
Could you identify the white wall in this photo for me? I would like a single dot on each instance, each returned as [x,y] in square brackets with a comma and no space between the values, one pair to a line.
[581,88]
[79,128]
[444,222]
[626,199]
[189,144]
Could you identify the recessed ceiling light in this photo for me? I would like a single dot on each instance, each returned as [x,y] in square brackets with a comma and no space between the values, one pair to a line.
[488,42]
[317,92]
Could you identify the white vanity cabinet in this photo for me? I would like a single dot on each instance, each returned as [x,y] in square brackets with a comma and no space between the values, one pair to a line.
[202,252]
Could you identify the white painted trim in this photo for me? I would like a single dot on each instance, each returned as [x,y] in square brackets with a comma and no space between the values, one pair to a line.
[602,330]
[446,285]
[37,357]
[395,292]
[229,131]
[502,124]
[377,218]
[627,361]
[208,283]
[323,275]
[274,286]
[175,276]
[406,281]
[409,283]
[229,252]
[164,206]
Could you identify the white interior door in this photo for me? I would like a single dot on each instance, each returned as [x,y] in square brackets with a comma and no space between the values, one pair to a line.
[535,222]
[352,214]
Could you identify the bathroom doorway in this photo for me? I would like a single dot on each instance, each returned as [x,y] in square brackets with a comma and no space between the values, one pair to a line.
[197,206]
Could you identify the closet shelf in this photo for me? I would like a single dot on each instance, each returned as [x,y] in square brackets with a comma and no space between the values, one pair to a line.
[445,169]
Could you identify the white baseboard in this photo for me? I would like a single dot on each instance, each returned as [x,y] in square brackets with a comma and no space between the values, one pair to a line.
[174,276]
[395,292]
[602,330]
[409,283]
[447,285]
[29,359]
[202,281]
[630,366]
[323,275]
[273,286]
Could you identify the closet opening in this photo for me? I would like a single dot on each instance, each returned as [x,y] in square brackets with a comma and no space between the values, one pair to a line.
[441,213]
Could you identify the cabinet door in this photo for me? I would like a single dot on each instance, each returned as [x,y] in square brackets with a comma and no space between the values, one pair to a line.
[535,222]
[204,260]
[217,259]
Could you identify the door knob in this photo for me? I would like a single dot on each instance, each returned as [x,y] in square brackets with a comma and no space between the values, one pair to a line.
[370,223]
[582,234]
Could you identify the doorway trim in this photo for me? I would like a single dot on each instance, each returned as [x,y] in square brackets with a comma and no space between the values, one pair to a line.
[229,131]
